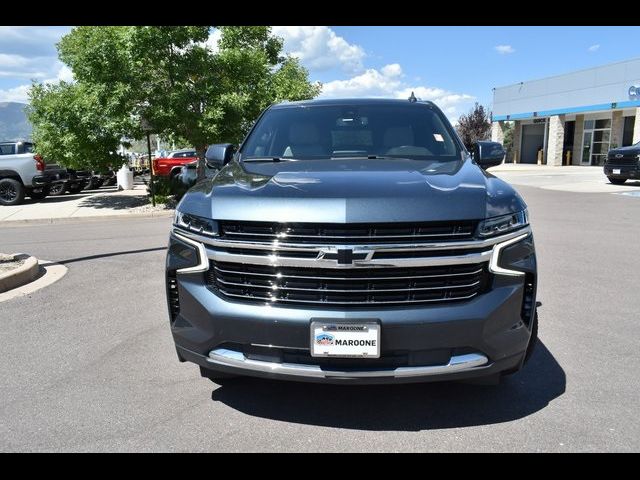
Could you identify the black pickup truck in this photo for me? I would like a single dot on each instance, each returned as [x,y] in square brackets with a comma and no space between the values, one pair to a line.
[623,164]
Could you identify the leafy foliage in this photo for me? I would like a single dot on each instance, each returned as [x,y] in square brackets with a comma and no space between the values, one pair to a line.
[73,126]
[474,126]
[185,88]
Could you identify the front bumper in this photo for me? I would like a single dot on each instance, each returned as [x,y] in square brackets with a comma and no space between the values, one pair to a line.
[483,336]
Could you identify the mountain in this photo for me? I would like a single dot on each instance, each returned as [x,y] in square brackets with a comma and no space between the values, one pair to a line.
[14,124]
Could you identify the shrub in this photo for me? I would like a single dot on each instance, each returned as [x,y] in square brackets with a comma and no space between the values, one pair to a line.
[167,191]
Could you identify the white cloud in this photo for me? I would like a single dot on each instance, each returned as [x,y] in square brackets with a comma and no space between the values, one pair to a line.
[594,48]
[504,49]
[387,82]
[319,48]
[392,70]
[64,74]
[20,66]
[371,83]
[16,94]
[21,92]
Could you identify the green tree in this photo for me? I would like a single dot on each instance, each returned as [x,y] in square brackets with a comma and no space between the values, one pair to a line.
[474,126]
[72,127]
[183,86]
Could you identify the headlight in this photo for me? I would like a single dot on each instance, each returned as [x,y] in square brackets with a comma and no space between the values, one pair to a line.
[503,224]
[196,224]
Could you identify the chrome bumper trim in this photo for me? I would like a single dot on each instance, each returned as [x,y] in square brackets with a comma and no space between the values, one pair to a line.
[232,358]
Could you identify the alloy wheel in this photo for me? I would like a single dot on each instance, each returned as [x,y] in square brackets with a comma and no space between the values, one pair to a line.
[8,193]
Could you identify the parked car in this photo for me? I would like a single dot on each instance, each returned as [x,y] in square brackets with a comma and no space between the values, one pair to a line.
[24,173]
[75,182]
[170,165]
[623,164]
[353,241]
[188,174]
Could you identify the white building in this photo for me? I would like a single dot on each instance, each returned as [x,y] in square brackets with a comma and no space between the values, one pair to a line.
[573,118]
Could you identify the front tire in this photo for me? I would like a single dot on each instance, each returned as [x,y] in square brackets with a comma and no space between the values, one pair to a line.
[12,192]
[617,181]
[533,341]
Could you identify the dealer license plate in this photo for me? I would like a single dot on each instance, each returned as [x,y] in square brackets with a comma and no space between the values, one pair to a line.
[616,171]
[360,340]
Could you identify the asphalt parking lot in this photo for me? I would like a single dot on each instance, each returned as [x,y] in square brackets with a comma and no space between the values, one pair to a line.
[89,363]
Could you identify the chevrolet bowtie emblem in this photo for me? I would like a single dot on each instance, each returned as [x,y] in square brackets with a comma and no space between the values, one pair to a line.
[343,256]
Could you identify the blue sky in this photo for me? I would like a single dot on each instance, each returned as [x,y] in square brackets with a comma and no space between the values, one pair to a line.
[453,66]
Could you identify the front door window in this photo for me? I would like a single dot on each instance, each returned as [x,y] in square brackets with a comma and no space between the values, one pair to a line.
[596,141]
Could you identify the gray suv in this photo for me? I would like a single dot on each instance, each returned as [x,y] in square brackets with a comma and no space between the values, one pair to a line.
[353,241]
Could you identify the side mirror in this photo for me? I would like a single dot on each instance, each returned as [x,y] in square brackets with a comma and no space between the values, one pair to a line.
[488,154]
[219,154]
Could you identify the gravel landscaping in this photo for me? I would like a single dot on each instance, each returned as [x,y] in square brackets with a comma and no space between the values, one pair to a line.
[8,263]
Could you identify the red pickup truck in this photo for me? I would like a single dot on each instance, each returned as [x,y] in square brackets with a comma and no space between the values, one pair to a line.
[170,165]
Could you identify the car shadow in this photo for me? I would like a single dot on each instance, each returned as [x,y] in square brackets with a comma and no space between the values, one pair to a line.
[408,407]
[628,183]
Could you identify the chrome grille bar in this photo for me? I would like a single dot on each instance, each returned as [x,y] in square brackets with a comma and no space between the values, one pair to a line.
[329,290]
[344,237]
[311,277]
[323,302]
[278,261]
[389,247]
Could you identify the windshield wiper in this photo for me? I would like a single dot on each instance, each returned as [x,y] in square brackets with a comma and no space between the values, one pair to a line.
[367,157]
[269,159]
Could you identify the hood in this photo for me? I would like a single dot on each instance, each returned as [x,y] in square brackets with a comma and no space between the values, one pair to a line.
[630,150]
[352,191]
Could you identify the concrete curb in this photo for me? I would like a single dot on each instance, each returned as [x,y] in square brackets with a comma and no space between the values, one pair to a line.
[25,273]
[48,274]
[48,221]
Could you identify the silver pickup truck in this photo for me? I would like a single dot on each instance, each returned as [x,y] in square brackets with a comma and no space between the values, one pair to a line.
[24,173]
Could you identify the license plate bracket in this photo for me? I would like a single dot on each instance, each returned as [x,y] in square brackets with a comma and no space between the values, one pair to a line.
[345,338]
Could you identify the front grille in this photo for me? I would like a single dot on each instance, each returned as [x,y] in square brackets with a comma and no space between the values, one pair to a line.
[354,287]
[624,161]
[266,232]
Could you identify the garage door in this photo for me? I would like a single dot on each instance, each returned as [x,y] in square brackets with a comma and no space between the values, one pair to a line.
[532,141]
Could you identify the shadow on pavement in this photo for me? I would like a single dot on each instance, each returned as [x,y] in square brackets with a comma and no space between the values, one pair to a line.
[57,199]
[111,254]
[410,407]
[115,202]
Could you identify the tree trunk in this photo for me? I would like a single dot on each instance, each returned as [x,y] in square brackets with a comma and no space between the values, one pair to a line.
[202,163]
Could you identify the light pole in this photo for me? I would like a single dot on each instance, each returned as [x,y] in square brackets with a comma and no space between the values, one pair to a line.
[147,128]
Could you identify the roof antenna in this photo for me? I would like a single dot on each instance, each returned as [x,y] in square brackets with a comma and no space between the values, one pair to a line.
[413,98]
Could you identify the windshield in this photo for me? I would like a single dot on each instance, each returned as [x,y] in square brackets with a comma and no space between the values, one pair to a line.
[414,131]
